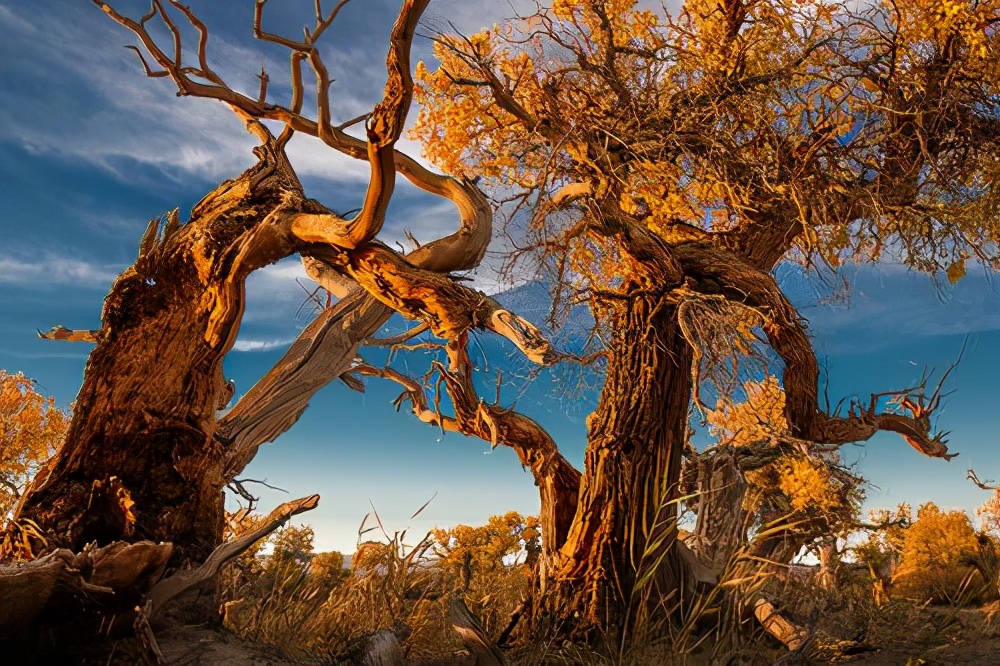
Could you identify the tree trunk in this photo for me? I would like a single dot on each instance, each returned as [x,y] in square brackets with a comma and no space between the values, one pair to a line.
[619,559]
[141,460]
[722,524]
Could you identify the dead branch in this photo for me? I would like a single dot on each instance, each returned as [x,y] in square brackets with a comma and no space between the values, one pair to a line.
[558,481]
[169,588]
[447,307]
[985,485]
[384,126]
[473,636]
[68,335]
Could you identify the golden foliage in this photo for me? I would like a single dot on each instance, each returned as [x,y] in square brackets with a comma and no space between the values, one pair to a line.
[757,419]
[488,548]
[934,555]
[731,115]
[989,514]
[31,430]
[812,484]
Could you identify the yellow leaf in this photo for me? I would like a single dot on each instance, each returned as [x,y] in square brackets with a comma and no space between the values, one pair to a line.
[956,271]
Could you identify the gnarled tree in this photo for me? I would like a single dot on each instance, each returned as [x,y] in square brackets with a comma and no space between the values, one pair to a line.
[148,458]
[665,160]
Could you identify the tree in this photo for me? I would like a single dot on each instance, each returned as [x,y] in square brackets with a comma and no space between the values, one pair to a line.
[175,313]
[935,551]
[882,550]
[668,163]
[479,551]
[31,431]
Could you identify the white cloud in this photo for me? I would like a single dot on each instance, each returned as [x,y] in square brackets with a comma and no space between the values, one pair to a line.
[127,117]
[259,345]
[884,303]
[56,270]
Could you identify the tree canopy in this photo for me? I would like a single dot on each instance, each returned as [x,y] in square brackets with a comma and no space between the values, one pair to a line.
[845,134]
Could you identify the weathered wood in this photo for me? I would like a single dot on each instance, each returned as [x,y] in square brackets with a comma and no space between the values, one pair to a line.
[473,636]
[791,636]
[380,648]
[619,557]
[89,588]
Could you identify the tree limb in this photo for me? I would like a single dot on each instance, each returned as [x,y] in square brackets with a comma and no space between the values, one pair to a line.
[722,272]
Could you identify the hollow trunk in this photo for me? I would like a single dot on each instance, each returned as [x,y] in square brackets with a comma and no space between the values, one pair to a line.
[141,460]
[619,559]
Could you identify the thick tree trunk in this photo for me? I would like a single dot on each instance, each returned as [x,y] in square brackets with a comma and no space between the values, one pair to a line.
[141,460]
[619,557]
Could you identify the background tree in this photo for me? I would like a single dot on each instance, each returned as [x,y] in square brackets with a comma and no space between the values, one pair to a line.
[476,551]
[935,549]
[31,430]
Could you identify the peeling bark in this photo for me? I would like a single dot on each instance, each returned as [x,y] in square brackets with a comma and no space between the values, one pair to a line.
[141,460]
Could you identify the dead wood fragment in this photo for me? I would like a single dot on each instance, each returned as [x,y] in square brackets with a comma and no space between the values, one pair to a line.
[380,648]
[473,636]
[60,332]
[791,636]
[118,571]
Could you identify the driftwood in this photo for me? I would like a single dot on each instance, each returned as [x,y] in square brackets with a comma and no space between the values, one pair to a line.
[790,635]
[473,636]
[98,587]
[380,648]
[111,575]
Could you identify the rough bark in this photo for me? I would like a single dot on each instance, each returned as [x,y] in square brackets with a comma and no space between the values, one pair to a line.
[141,460]
[721,528]
[619,553]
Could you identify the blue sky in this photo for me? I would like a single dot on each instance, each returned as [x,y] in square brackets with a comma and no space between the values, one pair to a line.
[90,150]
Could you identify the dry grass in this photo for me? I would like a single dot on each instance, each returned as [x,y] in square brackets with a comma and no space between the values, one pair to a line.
[317,619]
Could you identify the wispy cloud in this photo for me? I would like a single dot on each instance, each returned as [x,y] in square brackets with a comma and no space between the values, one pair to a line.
[872,307]
[132,119]
[259,345]
[56,270]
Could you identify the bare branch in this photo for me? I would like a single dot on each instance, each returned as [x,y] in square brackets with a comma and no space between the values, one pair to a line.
[985,485]
[740,282]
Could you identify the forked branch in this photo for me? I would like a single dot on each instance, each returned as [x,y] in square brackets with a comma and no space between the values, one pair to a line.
[718,271]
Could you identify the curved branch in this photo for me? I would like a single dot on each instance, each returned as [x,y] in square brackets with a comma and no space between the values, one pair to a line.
[723,272]
[447,307]
[383,127]
[557,480]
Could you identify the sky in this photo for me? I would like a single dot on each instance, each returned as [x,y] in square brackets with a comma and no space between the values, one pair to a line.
[91,150]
